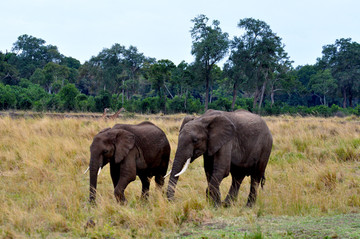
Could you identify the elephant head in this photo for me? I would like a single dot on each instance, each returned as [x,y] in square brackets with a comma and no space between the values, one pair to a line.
[110,145]
[198,136]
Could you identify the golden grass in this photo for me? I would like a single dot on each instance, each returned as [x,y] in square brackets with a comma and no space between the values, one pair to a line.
[314,170]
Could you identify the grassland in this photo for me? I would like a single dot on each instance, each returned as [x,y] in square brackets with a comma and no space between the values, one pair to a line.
[312,188]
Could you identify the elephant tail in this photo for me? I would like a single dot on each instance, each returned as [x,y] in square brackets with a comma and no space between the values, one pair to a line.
[262,181]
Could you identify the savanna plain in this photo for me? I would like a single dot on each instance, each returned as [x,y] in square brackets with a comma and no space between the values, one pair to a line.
[312,187]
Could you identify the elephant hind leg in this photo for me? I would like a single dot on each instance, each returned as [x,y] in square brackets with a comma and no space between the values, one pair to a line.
[145,181]
[159,179]
[234,190]
[255,181]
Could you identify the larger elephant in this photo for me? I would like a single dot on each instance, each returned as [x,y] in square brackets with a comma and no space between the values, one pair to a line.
[131,150]
[231,142]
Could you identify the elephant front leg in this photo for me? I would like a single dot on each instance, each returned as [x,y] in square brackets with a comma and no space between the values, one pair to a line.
[120,188]
[220,169]
[127,175]
[213,192]
[115,172]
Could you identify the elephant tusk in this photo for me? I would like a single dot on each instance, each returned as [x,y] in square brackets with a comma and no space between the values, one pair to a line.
[184,168]
[99,171]
[167,174]
[87,170]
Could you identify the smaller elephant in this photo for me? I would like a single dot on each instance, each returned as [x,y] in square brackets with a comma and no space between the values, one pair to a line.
[131,150]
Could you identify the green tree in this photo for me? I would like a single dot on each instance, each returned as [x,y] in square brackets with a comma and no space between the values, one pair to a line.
[257,53]
[7,97]
[159,74]
[343,58]
[54,73]
[210,45]
[8,72]
[322,84]
[68,95]
[33,53]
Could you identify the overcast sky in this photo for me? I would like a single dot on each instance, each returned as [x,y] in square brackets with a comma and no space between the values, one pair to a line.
[160,28]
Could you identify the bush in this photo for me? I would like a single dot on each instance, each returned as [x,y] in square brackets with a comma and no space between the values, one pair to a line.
[151,105]
[194,106]
[221,104]
[321,110]
[7,97]
[102,101]
[176,105]
[81,102]
[67,96]
[244,103]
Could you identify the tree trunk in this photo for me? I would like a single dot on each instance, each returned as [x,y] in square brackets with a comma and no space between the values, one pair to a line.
[256,96]
[165,102]
[234,96]
[207,92]
[351,99]
[185,102]
[262,95]
[344,96]
[123,93]
[272,97]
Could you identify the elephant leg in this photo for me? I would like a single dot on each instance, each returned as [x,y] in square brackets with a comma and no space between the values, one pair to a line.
[162,169]
[234,189]
[120,188]
[255,181]
[208,167]
[220,170]
[115,173]
[145,181]
[127,174]
[213,191]
[159,179]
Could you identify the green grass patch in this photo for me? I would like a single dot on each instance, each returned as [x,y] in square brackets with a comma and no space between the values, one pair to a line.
[338,226]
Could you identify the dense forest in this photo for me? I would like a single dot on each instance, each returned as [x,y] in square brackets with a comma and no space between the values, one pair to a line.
[257,75]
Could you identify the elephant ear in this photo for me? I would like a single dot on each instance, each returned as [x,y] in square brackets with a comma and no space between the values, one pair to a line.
[186,119]
[124,142]
[220,131]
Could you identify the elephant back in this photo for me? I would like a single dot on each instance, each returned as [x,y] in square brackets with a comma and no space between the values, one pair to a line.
[149,138]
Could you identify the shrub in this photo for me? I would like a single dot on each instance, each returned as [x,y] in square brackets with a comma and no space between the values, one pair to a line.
[176,105]
[67,95]
[150,105]
[221,104]
[7,97]
[102,101]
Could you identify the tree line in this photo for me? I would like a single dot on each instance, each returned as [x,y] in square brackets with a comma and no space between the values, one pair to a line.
[257,75]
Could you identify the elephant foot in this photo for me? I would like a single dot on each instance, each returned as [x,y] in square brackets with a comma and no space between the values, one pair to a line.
[227,203]
[213,198]
[250,203]
[120,199]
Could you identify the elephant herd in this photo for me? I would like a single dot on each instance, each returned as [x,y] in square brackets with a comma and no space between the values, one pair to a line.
[237,142]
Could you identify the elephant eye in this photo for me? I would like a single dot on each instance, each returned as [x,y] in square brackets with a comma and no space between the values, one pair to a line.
[195,140]
[106,151]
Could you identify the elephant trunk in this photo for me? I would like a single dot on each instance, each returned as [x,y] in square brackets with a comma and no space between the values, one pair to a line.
[178,164]
[94,167]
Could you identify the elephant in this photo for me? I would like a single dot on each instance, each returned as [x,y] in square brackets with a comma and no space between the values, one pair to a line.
[131,150]
[231,142]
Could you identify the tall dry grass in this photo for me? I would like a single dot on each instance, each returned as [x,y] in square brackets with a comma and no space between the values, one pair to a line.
[314,170]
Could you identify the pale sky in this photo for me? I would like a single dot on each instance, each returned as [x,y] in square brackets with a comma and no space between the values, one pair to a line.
[160,28]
